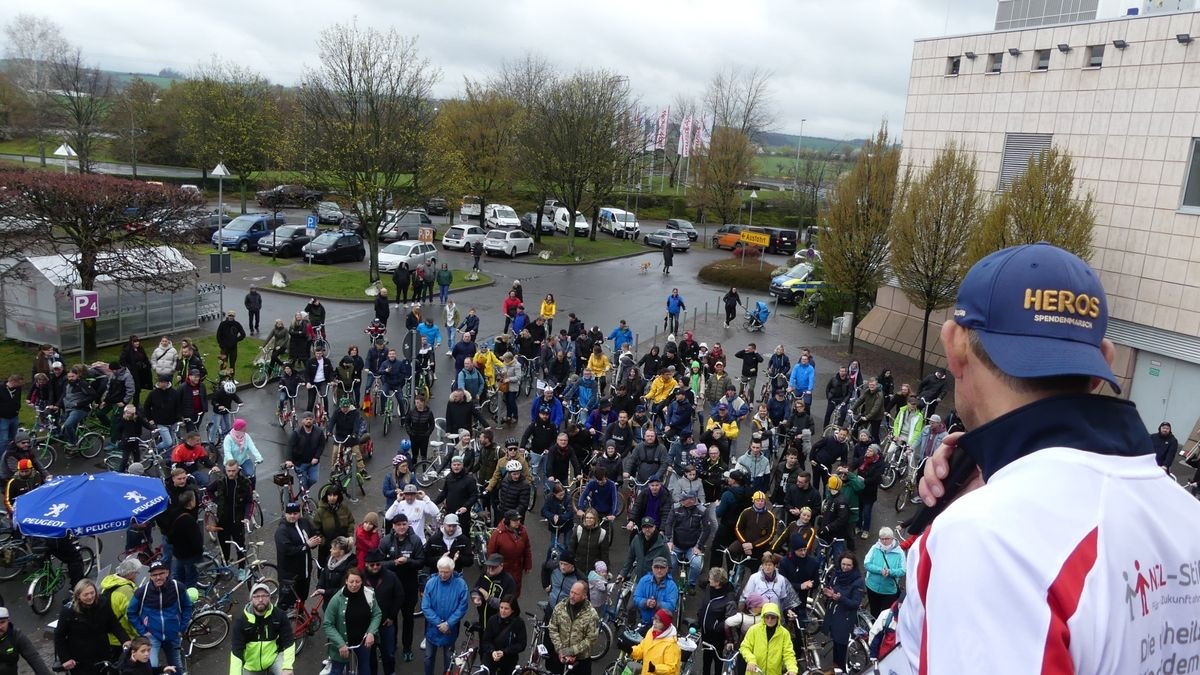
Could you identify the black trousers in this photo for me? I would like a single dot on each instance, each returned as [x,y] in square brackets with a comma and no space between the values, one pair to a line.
[408,584]
[253,321]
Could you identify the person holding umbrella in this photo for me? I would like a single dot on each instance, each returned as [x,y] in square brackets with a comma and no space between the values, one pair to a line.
[81,635]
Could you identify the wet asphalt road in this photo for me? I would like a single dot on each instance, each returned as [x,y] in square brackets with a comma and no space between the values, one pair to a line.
[600,294]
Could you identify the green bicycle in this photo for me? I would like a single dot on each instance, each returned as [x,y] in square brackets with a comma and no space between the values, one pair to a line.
[265,370]
[345,473]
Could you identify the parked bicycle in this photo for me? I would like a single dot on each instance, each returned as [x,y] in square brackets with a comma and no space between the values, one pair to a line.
[293,490]
[264,369]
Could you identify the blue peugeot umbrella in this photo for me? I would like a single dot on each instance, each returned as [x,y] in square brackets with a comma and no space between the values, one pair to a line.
[86,504]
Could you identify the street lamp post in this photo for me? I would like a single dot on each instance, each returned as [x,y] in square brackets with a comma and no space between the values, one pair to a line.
[799,142]
[221,172]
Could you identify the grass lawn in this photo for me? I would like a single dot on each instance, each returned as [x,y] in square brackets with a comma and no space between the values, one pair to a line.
[17,357]
[344,284]
[585,250]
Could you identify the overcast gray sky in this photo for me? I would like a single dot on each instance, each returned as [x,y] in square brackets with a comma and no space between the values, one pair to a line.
[841,64]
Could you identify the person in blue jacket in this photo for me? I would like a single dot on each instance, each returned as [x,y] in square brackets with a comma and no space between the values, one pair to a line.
[675,305]
[600,493]
[444,605]
[548,399]
[586,392]
[620,335]
[801,379]
[885,567]
[160,609]
[680,414]
[845,590]
[655,591]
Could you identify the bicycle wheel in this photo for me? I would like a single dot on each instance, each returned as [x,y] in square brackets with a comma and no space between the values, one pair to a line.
[603,642]
[816,616]
[89,559]
[208,629]
[387,417]
[89,445]
[358,480]
[903,496]
[492,405]
[256,515]
[425,473]
[299,631]
[888,479]
[858,656]
[285,495]
[112,461]
[259,379]
[42,590]
[209,571]
[265,573]
[533,495]
[281,416]
[45,453]
[307,506]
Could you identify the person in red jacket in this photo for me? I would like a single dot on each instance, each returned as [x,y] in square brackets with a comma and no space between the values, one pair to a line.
[366,537]
[192,456]
[511,303]
[511,540]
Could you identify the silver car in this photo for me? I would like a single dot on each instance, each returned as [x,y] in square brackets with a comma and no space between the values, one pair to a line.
[679,240]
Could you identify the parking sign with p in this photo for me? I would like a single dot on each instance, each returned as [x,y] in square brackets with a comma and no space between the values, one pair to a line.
[85,305]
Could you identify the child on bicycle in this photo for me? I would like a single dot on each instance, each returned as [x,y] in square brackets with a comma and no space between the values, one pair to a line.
[129,433]
[223,400]
[345,425]
[377,329]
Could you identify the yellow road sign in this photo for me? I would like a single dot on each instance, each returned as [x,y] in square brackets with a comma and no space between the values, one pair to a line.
[755,238]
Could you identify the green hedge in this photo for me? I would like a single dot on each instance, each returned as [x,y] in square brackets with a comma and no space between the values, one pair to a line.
[733,272]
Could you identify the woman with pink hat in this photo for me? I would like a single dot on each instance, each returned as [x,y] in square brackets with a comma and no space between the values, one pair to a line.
[240,447]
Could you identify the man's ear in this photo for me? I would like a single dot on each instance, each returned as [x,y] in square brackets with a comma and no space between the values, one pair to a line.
[956,342]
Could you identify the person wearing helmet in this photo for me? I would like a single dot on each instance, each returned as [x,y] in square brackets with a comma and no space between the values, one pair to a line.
[756,529]
[224,400]
[835,517]
[767,648]
[514,492]
[400,476]
[343,427]
[512,453]
[510,539]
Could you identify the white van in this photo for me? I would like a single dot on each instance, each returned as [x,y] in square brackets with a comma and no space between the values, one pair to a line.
[618,223]
[562,222]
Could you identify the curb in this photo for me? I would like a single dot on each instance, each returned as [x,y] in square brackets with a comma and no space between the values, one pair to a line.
[324,298]
[588,262]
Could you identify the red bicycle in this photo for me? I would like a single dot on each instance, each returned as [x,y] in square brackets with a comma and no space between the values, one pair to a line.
[305,616]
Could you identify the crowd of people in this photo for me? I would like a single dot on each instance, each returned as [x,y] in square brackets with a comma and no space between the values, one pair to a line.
[720,476]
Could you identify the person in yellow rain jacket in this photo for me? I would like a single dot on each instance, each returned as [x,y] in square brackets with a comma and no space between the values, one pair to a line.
[659,650]
[487,362]
[767,647]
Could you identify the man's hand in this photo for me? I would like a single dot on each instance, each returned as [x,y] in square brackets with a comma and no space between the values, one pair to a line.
[344,651]
[651,603]
[631,527]
[69,665]
[369,640]
[747,547]
[444,628]
[938,467]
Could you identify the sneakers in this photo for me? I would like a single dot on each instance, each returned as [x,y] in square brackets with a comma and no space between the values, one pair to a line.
[408,656]
[422,645]
[449,353]
[862,535]
[915,500]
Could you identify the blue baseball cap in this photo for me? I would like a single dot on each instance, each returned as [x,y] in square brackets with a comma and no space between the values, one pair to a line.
[1039,311]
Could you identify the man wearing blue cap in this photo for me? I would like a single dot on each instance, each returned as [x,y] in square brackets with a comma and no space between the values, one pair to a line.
[1101,583]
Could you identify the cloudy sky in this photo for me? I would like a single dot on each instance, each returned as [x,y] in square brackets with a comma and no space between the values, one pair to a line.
[841,64]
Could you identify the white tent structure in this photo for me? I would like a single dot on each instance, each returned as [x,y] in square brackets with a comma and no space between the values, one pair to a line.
[38,307]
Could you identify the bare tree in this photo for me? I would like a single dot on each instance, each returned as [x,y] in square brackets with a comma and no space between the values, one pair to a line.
[616,137]
[83,102]
[32,44]
[525,79]
[369,121]
[83,218]
[133,108]
[722,171]
[741,100]
[569,134]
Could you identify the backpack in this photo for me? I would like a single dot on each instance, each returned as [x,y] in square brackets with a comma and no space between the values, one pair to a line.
[885,640]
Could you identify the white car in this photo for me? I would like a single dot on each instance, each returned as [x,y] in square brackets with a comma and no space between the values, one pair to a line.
[501,216]
[507,242]
[562,221]
[412,252]
[462,237]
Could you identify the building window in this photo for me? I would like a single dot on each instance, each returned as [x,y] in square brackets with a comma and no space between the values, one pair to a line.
[1191,185]
[995,60]
[1042,62]
[952,65]
[1018,150]
[1095,54]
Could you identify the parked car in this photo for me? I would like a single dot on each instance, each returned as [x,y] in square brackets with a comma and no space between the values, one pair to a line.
[471,209]
[285,241]
[188,187]
[402,225]
[684,226]
[244,231]
[288,195]
[507,242]
[782,240]
[462,237]
[619,223]
[437,206]
[500,216]
[195,229]
[549,207]
[331,247]
[529,221]
[679,241]
[795,283]
[412,252]
[562,221]
[727,235]
[330,212]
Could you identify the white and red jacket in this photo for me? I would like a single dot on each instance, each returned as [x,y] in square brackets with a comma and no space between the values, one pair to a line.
[1067,561]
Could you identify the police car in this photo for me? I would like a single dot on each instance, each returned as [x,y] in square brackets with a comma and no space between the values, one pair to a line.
[795,283]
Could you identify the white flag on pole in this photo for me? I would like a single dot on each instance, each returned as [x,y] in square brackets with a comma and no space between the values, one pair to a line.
[701,135]
[660,138]
[686,129]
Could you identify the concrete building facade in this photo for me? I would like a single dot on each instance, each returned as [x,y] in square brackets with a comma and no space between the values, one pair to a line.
[1122,96]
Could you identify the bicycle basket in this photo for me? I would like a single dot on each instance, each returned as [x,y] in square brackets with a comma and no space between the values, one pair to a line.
[282,479]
